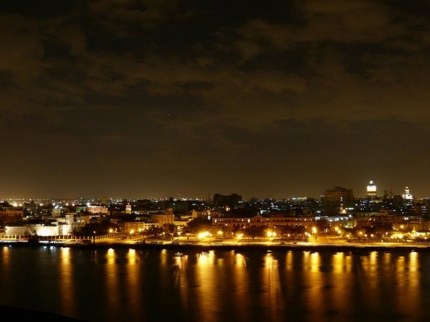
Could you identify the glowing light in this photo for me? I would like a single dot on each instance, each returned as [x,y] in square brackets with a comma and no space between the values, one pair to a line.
[203,235]
[371,187]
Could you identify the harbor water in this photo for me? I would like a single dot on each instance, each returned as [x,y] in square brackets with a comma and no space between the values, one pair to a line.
[221,285]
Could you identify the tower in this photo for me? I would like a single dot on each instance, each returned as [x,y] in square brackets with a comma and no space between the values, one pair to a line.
[371,190]
[407,195]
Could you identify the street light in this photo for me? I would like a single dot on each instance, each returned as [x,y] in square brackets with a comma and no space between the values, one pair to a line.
[314,231]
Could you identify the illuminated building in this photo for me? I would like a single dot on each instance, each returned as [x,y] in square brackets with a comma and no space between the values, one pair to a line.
[128,209]
[407,195]
[97,210]
[39,228]
[229,223]
[371,191]
[130,227]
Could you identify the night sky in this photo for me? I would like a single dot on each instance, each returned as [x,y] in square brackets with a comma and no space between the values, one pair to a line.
[142,99]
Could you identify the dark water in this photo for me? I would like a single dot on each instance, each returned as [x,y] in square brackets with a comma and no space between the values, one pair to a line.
[129,285]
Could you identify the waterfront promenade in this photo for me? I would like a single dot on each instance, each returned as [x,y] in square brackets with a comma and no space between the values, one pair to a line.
[225,244]
[322,242]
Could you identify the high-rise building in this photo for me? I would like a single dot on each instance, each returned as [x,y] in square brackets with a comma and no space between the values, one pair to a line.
[337,199]
[231,201]
[371,191]
[103,201]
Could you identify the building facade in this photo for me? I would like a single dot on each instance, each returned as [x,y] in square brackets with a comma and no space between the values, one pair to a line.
[336,200]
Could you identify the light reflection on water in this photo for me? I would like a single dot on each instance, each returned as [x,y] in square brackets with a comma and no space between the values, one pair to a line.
[154,285]
[65,283]
[272,297]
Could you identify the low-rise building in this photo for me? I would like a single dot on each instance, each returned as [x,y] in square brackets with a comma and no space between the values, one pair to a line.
[134,227]
[48,228]
[163,219]
[11,212]
[269,222]
[78,220]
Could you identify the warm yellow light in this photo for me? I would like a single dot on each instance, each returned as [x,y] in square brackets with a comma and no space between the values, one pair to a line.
[314,230]
[219,232]
[203,235]
[111,230]
[132,232]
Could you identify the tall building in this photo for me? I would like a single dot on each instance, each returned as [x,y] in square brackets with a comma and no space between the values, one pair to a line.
[230,201]
[407,195]
[337,199]
[103,201]
[371,191]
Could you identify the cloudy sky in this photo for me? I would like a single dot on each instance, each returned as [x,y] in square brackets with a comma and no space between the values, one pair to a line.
[160,98]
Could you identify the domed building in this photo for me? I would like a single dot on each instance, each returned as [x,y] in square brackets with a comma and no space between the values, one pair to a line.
[371,190]
[407,195]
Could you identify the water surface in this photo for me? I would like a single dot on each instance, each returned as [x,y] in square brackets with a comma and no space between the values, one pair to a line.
[154,285]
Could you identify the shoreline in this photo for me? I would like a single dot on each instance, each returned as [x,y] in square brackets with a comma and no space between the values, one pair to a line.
[232,247]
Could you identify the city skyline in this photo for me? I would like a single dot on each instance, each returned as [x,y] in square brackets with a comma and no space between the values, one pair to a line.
[363,193]
[148,99]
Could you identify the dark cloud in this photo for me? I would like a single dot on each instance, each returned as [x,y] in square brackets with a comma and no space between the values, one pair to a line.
[156,98]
